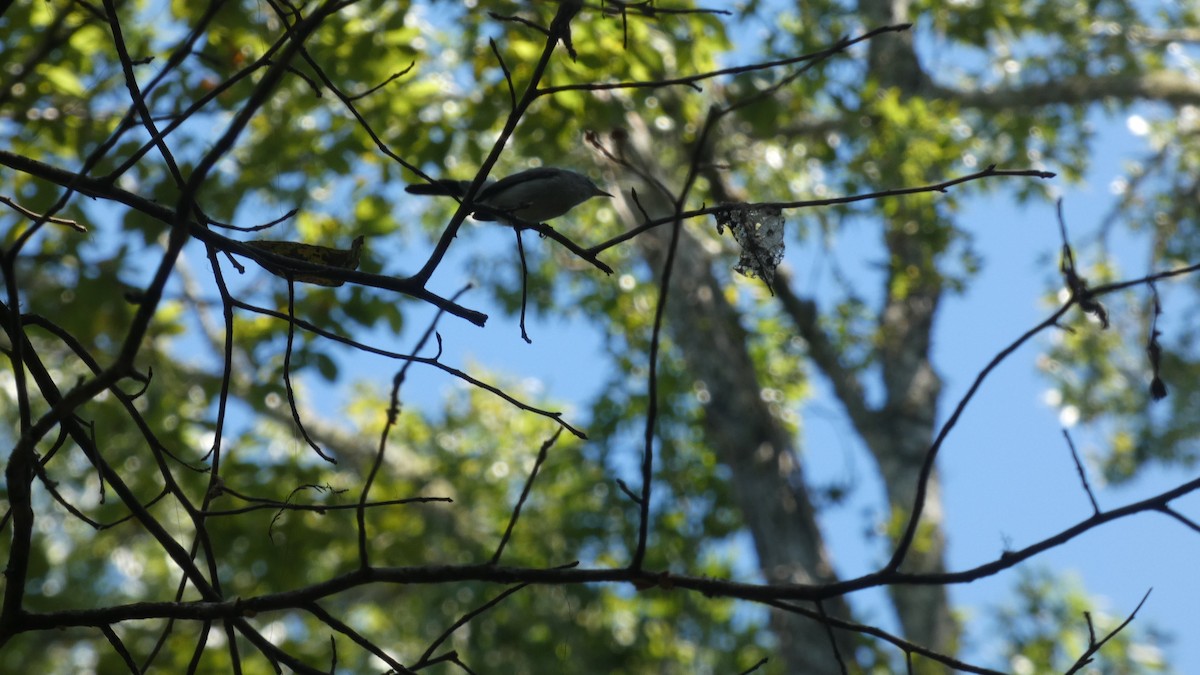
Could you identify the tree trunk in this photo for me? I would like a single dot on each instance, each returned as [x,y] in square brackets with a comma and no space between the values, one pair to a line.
[768,480]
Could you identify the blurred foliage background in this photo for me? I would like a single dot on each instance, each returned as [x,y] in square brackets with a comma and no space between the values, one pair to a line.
[1014,85]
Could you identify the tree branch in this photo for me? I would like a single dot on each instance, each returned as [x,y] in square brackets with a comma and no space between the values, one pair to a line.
[101,189]
[1169,87]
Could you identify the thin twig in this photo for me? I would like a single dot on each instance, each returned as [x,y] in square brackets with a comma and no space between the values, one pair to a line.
[393,412]
[909,648]
[512,521]
[910,531]
[524,284]
[74,225]
[990,171]
[119,648]
[287,376]
[761,662]
[450,370]
[394,76]
[1094,645]
[341,627]
[1082,474]
[837,653]
[462,621]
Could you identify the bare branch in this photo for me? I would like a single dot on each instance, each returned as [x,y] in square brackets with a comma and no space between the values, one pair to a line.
[512,522]
[1094,645]
[1082,474]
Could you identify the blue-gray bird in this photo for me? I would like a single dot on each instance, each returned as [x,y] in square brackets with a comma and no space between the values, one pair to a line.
[533,195]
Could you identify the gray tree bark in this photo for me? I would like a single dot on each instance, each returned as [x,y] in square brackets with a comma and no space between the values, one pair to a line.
[768,479]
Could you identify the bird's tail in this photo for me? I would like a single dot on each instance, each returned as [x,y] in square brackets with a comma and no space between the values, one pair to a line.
[444,187]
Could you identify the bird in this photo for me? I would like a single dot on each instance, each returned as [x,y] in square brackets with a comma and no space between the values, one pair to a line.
[529,196]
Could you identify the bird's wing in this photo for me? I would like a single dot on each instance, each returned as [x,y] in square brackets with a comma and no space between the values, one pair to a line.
[509,182]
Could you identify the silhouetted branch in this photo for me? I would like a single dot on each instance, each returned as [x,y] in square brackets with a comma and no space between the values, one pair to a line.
[1082,474]
[1094,645]
[512,521]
